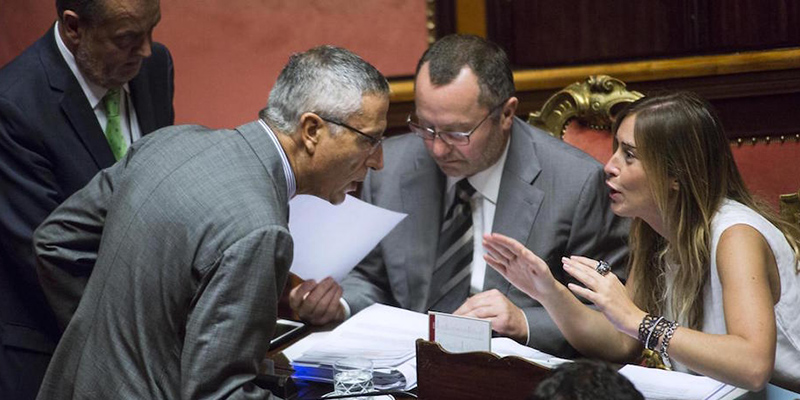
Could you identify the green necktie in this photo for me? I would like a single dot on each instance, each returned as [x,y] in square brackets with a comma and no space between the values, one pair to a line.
[113,130]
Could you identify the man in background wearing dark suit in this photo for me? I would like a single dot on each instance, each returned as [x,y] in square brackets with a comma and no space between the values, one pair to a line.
[70,105]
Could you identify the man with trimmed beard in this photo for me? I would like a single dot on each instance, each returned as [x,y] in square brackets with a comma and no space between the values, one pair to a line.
[70,105]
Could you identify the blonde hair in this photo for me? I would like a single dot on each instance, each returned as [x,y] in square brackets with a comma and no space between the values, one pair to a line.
[681,143]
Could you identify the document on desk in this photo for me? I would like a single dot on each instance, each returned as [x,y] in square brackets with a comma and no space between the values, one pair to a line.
[386,335]
[330,240]
[503,346]
[656,384]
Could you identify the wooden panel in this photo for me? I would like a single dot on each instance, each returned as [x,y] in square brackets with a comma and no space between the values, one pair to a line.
[546,33]
[478,375]
[541,33]
[751,24]
[756,93]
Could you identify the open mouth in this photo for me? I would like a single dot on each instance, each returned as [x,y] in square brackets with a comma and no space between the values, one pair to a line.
[611,189]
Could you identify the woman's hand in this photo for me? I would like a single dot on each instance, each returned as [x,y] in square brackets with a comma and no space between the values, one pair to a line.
[606,292]
[519,265]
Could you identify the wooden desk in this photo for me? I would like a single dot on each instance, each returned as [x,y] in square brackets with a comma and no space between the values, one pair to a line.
[524,379]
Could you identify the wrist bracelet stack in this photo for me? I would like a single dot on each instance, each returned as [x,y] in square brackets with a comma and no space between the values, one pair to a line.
[653,328]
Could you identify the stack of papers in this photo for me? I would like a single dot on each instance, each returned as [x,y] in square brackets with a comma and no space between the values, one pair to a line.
[659,384]
[386,335]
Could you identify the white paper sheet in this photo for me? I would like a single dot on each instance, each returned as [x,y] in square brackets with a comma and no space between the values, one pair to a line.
[659,384]
[330,240]
[503,347]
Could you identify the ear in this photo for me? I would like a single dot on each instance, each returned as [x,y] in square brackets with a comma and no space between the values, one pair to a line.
[71,29]
[673,184]
[311,126]
[509,111]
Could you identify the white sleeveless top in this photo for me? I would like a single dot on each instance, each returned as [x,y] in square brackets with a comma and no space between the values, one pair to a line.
[787,311]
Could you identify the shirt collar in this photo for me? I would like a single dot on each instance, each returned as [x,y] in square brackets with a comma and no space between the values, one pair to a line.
[291,184]
[94,93]
[486,182]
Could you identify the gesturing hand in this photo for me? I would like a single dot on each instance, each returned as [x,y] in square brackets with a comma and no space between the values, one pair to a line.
[519,265]
[606,292]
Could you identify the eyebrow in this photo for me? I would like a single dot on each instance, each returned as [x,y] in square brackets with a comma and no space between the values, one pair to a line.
[626,145]
[452,127]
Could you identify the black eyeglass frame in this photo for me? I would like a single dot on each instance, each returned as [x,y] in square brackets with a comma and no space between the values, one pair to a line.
[447,136]
[374,142]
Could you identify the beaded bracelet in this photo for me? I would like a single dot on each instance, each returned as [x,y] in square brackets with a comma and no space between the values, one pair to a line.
[665,342]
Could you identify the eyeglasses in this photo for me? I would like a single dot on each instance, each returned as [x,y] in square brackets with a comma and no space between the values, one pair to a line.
[450,137]
[374,142]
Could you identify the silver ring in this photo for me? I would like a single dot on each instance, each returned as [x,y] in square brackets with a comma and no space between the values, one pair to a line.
[602,268]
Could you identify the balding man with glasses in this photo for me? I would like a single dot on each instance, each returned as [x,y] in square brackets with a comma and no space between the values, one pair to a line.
[473,168]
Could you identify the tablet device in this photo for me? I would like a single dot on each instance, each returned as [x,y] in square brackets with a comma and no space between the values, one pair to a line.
[285,330]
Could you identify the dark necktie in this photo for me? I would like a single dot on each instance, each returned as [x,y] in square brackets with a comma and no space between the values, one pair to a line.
[450,281]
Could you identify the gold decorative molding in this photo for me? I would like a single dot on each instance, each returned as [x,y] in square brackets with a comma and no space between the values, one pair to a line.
[789,207]
[594,101]
[430,20]
[638,71]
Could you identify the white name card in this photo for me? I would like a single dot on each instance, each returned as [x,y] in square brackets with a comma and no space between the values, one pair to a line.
[458,334]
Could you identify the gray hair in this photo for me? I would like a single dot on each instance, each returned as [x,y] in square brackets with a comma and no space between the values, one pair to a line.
[326,80]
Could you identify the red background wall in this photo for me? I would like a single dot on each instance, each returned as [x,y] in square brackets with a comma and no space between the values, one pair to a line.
[227,54]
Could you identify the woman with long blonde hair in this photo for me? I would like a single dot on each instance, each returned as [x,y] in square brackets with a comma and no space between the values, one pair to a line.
[713,282]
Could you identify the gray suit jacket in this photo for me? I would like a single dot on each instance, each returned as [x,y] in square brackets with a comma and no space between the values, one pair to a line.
[189,241]
[552,198]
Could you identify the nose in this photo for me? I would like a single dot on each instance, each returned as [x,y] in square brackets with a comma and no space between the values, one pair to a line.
[145,49]
[611,168]
[375,160]
[439,148]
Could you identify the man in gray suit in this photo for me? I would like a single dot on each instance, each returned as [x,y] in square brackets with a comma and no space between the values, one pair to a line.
[188,239]
[522,182]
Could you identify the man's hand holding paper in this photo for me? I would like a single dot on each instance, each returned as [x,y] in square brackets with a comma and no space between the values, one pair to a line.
[318,303]
[328,242]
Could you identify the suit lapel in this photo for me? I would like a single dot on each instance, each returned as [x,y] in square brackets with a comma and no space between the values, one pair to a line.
[145,113]
[518,200]
[74,103]
[421,191]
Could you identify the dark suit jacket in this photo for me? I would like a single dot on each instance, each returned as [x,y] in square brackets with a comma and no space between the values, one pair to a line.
[194,252]
[51,145]
[552,198]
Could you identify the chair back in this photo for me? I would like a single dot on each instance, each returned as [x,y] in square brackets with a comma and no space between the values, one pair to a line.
[582,113]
